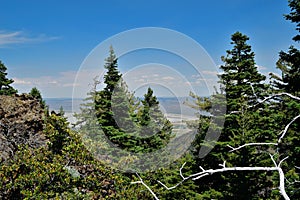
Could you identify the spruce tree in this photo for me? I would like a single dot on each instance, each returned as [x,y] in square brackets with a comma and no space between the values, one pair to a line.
[294,16]
[154,124]
[35,93]
[286,108]
[243,86]
[111,79]
[241,77]
[115,109]
[5,87]
[242,83]
[111,105]
[288,64]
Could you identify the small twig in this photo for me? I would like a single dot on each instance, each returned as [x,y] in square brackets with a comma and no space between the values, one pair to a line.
[181,170]
[253,91]
[282,161]
[272,158]
[223,165]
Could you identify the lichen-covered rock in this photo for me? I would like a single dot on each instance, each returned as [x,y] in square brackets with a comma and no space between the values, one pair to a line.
[21,122]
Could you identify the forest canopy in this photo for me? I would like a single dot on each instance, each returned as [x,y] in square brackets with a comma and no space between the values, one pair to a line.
[254,156]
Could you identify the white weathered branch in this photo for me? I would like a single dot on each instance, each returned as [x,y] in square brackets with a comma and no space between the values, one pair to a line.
[277,167]
[225,169]
[287,127]
[254,93]
[144,184]
[183,179]
[277,95]
[235,112]
[250,144]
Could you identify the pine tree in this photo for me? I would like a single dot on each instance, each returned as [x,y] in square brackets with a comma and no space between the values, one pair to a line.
[115,109]
[35,93]
[242,82]
[154,124]
[243,86]
[294,16]
[113,75]
[287,108]
[240,77]
[5,87]
[210,111]
[111,79]
[288,63]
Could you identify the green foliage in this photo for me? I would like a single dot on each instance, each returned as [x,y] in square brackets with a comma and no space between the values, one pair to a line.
[34,174]
[286,108]
[240,77]
[153,123]
[288,64]
[75,163]
[35,93]
[5,87]
[123,120]
[64,169]
[243,87]
[294,16]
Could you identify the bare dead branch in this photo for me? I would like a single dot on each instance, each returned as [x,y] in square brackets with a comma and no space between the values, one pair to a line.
[144,184]
[277,167]
[282,161]
[251,144]
[287,127]
[254,93]
[204,172]
[181,170]
[276,95]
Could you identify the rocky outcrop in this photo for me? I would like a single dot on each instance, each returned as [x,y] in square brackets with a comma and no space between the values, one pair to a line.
[21,122]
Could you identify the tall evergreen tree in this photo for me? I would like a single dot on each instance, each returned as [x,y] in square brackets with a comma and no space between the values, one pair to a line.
[289,65]
[243,86]
[115,109]
[288,62]
[286,108]
[154,124]
[294,16]
[241,77]
[111,79]
[242,82]
[5,87]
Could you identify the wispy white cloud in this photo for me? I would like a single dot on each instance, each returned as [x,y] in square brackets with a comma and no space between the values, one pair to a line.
[165,82]
[261,68]
[20,37]
[168,78]
[50,86]
[18,81]
[61,85]
[210,73]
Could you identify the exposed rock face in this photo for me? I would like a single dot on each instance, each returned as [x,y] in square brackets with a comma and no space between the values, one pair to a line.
[21,122]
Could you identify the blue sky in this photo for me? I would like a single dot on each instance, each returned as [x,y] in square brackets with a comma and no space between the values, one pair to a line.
[43,43]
